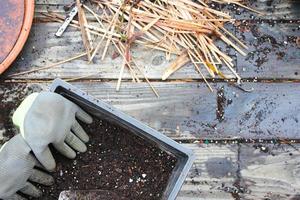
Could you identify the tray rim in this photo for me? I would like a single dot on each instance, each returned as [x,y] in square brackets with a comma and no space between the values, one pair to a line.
[154,133]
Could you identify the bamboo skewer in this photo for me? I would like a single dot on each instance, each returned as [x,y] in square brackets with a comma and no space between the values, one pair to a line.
[177,64]
[147,80]
[134,77]
[198,69]
[49,66]
[111,27]
[81,77]
[239,4]
[86,38]
[121,74]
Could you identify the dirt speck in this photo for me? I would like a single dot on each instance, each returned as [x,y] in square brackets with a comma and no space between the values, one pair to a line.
[221,103]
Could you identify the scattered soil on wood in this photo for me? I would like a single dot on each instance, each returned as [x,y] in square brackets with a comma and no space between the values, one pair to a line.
[116,161]
[221,103]
[11,95]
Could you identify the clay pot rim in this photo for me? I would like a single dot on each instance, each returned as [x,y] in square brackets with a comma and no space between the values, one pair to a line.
[24,33]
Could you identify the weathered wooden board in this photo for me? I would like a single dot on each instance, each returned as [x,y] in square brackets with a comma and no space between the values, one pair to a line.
[188,110]
[270,171]
[43,49]
[273,54]
[270,9]
[271,43]
[258,171]
[274,49]
[213,174]
[276,9]
[179,105]
[270,111]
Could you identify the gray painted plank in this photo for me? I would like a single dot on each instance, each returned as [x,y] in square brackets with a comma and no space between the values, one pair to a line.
[43,49]
[272,110]
[273,51]
[270,171]
[276,9]
[189,110]
[213,174]
[271,9]
[273,54]
[170,113]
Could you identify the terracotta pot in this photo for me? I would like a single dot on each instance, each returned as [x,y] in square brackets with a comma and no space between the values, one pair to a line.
[15,22]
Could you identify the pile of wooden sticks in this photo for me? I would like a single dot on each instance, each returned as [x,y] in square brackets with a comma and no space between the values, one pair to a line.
[185,28]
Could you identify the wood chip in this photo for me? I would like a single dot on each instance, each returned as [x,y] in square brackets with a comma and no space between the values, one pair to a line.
[179,62]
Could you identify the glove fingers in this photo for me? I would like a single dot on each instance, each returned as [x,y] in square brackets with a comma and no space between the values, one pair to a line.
[83,116]
[78,130]
[15,197]
[75,143]
[46,159]
[31,190]
[36,162]
[65,150]
[40,177]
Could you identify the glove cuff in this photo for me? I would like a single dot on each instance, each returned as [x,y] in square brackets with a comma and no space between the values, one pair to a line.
[19,114]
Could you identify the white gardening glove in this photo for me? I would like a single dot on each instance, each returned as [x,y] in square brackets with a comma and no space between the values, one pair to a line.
[49,118]
[17,167]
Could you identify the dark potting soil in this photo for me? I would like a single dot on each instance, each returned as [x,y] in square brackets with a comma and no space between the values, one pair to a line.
[116,161]
[11,95]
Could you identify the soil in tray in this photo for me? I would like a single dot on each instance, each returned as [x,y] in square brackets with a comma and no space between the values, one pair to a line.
[117,161]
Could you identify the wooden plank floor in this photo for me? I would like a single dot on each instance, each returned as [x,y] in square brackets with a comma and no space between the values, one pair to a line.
[191,111]
[256,168]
